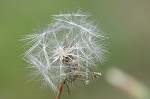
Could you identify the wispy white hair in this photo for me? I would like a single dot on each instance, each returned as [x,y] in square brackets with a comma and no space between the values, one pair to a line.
[68,35]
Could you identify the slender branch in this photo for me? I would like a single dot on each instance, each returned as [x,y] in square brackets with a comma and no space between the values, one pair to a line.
[68,90]
[60,90]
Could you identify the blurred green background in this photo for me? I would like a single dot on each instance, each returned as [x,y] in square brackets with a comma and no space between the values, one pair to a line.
[126,23]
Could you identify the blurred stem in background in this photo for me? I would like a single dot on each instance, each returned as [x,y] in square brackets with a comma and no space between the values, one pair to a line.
[128,84]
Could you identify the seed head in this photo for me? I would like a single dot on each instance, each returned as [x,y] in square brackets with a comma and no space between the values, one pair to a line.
[66,51]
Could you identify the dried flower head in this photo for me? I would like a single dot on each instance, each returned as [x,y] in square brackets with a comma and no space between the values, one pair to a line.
[66,51]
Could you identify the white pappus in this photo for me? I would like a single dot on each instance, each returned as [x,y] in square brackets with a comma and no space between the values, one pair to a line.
[66,51]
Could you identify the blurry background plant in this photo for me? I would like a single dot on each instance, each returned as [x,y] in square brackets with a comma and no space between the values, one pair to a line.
[127,23]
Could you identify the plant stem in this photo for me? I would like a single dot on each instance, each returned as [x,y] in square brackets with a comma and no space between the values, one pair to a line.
[60,90]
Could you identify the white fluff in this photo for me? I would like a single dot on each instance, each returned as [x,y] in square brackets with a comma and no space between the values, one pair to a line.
[70,40]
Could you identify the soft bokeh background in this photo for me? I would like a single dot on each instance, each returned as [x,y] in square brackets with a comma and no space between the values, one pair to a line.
[126,22]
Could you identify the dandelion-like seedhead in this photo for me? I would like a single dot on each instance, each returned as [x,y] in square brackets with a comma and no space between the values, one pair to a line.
[66,51]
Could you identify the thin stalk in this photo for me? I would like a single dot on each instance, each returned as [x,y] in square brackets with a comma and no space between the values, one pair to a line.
[60,91]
